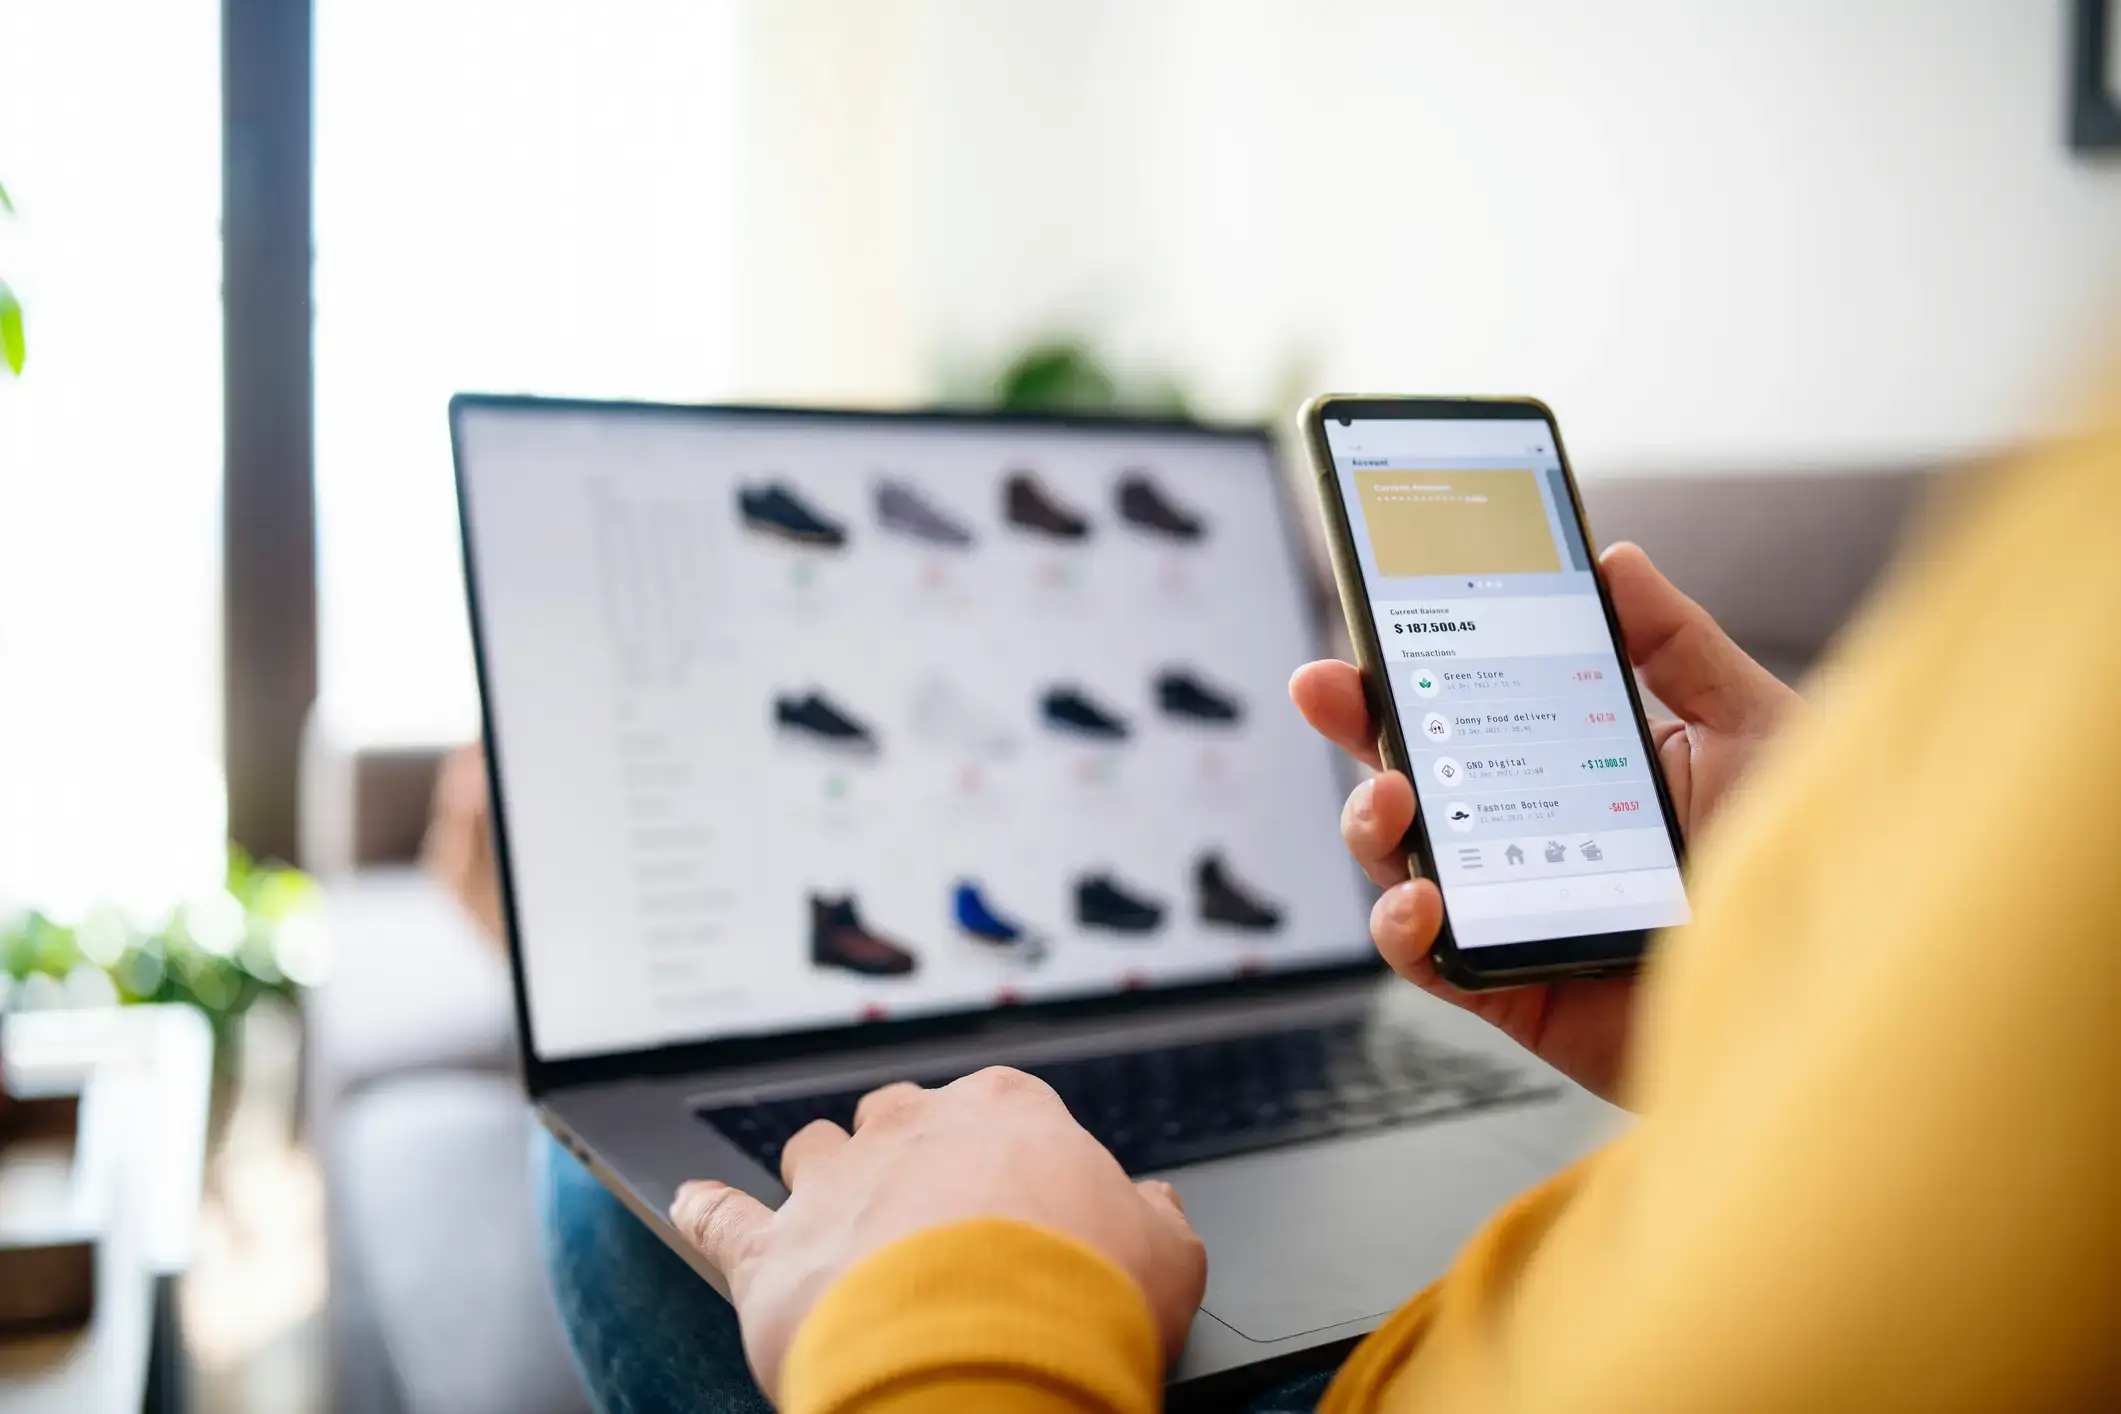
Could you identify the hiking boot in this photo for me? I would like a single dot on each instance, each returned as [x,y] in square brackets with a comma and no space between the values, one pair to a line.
[838,939]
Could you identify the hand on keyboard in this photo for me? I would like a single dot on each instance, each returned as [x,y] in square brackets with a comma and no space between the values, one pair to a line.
[995,1144]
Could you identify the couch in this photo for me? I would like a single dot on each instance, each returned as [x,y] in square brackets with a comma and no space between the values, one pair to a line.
[437,1298]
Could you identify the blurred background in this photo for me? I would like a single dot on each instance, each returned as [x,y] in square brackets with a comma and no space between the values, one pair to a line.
[1781,266]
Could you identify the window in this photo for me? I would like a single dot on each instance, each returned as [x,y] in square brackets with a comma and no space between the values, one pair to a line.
[511,197]
[110,456]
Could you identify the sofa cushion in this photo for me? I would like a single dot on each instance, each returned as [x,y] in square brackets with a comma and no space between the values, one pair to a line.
[413,987]
[431,1177]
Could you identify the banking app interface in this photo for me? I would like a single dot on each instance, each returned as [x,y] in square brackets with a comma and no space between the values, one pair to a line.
[809,722]
[1533,778]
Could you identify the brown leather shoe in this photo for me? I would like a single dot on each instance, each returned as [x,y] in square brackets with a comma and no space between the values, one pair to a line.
[838,939]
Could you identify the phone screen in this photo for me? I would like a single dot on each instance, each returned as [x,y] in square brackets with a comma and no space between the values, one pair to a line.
[1534,777]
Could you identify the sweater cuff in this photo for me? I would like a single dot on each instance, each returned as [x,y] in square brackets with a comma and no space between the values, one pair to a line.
[987,1306]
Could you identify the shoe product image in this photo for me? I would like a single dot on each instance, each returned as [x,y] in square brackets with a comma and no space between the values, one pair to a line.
[813,717]
[1029,506]
[774,509]
[1101,903]
[1069,709]
[1181,694]
[1142,503]
[901,507]
[1003,935]
[838,939]
[944,716]
[1225,901]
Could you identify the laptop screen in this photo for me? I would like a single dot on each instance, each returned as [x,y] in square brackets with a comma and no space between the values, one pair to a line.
[803,721]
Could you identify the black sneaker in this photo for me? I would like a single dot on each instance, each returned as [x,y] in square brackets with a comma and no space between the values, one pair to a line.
[1225,901]
[1069,709]
[1143,504]
[1180,694]
[812,716]
[1102,903]
[775,509]
[838,939]
[1030,506]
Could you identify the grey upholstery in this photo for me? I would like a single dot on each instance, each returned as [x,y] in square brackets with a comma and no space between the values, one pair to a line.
[461,1307]
[439,1303]
[438,1293]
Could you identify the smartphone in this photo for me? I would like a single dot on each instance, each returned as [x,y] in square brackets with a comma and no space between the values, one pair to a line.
[1495,673]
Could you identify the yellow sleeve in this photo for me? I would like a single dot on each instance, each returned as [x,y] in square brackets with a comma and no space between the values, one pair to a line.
[992,1316]
[1877,1164]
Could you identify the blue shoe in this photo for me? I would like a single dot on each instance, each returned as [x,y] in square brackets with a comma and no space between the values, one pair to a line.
[983,923]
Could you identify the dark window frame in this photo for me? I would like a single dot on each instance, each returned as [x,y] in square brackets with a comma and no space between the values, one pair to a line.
[268,505]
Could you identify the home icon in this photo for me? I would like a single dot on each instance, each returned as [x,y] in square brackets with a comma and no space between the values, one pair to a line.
[1514,855]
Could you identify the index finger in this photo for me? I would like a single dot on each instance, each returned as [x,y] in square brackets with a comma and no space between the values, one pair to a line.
[1329,694]
[885,1101]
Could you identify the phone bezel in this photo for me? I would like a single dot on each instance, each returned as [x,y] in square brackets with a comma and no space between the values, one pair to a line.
[1506,964]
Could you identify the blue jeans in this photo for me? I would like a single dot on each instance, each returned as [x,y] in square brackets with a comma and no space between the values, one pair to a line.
[648,1335]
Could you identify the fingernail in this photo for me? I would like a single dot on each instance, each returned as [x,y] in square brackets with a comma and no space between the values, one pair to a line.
[1361,802]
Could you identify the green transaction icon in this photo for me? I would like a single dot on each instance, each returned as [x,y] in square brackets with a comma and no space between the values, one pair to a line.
[1425,683]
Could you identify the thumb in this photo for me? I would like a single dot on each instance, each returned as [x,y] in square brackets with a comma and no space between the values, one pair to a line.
[1163,1201]
[1685,658]
[721,1223]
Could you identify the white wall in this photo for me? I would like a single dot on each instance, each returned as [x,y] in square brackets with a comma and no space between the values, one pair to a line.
[1743,234]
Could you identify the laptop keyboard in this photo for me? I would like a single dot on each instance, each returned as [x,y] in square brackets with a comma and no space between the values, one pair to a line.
[1181,1104]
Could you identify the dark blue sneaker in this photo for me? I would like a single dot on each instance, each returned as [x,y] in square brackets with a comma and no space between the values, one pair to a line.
[983,923]
[1181,694]
[1102,903]
[774,509]
[812,717]
[1069,709]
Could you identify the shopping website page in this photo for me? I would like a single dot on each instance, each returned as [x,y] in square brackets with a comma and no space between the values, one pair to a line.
[806,722]
[1533,777]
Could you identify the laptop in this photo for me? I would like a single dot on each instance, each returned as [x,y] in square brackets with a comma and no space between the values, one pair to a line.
[836,748]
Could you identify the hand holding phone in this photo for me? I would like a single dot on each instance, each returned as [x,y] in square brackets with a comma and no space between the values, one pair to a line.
[1728,708]
[1492,667]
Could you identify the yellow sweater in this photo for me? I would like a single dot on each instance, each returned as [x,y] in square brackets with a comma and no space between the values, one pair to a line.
[1877,1164]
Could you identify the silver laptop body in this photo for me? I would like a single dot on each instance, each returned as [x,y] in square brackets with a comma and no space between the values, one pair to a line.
[836,748]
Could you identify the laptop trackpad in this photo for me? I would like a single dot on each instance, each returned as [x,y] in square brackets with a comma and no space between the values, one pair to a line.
[1302,1239]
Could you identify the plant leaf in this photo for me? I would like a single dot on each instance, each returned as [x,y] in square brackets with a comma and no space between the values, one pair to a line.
[11,345]
[5,204]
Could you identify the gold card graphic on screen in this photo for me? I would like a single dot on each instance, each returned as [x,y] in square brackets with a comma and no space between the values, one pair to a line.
[1457,522]
[838,938]
[812,718]
[774,509]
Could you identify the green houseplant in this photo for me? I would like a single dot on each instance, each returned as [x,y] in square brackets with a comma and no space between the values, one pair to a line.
[259,935]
